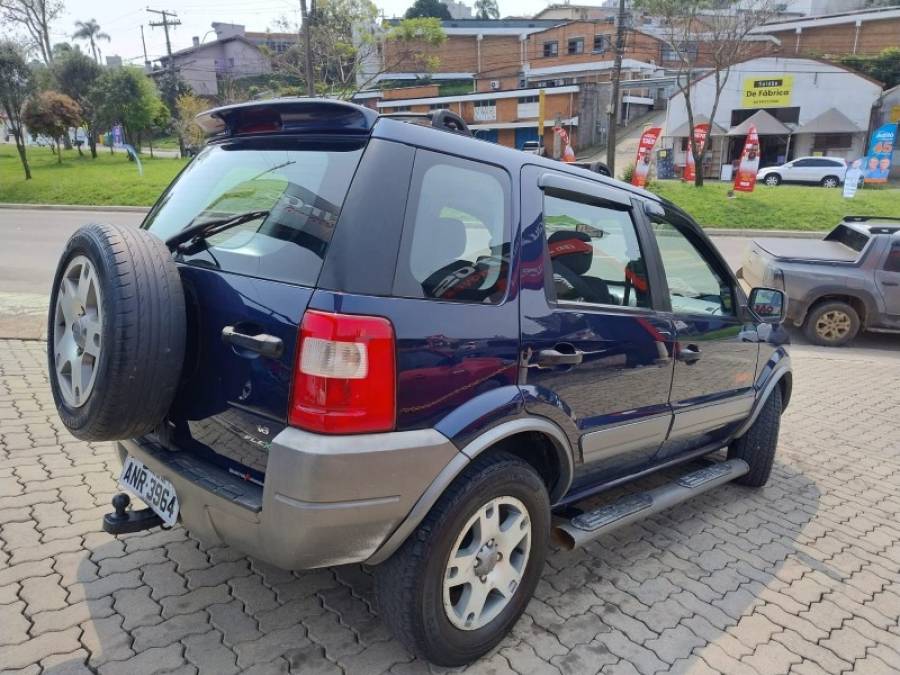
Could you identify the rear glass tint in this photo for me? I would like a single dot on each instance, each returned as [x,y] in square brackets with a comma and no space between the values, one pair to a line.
[849,237]
[300,183]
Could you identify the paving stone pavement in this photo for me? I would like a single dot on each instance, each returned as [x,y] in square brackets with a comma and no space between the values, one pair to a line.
[801,577]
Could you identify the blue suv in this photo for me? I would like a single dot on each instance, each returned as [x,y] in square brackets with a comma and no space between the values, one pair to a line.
[342,338]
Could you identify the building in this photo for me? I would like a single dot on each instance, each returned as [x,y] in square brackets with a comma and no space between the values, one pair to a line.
[206,66]
[867,31]
[819,7]
[458,10]
[800,106]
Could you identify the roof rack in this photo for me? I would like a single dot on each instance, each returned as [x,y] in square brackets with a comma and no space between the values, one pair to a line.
[865,219]
[440,119]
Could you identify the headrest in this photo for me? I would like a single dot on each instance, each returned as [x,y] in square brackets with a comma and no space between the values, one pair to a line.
[572,249]
[449,240]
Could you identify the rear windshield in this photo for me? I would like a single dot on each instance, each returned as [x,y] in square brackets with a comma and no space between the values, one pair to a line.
[849,237]
[301,183]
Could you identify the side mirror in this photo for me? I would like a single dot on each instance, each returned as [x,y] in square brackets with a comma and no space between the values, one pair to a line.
[768,304]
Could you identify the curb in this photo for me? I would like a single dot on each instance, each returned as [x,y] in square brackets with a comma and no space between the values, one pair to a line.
[75,207]
[788,234]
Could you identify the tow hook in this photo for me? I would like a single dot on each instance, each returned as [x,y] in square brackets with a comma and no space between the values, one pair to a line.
[124,520]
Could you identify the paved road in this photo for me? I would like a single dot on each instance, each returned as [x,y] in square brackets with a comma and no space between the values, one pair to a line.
[801,577]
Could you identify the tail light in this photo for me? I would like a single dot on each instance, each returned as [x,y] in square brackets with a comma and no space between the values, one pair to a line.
[345,375]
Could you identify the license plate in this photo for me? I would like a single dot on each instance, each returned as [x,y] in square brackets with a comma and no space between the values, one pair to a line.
[155,491]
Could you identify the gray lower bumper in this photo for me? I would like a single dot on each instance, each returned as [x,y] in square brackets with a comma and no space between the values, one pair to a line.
[327,500]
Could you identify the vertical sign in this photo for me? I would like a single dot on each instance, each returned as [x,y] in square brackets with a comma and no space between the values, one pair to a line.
[542,99]
[700,133]
[644,155]
[881,152]
[852,178]
[745,180]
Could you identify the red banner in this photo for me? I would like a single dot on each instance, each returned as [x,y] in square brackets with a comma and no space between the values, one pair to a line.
[700,133]
[745,180]
[644,155]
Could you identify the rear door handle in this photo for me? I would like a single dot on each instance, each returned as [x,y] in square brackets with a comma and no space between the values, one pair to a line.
[890,283]
[547,358]
[264,344]
[689,354]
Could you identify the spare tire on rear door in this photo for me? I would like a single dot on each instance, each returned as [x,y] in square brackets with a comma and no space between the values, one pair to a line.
[116,333]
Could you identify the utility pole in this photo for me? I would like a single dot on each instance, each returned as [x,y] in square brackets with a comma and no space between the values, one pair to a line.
[168,19]
[613,115]
[308,18]
[144,43]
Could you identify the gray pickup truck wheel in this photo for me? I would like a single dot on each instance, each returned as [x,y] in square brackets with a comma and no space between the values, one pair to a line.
[757,446]
[460,581]
[115,333]
[831,324]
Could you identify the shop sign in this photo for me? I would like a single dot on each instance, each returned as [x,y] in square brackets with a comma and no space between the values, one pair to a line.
[761,91]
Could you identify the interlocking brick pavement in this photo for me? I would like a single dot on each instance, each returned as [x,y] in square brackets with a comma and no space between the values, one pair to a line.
[802,576]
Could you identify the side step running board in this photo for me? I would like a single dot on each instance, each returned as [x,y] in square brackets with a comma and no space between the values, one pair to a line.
[588,526]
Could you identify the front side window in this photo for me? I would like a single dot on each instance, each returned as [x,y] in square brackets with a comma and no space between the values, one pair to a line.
[892,264]
[456,239]
[594,253]
[296,186]
[696,286]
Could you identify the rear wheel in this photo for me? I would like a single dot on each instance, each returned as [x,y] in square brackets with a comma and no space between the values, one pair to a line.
[831,324]
[830,181]
[463,578]
[772,179]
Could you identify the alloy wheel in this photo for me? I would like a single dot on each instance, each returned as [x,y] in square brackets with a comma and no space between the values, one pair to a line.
[833,325]
[487,563]
[78,323]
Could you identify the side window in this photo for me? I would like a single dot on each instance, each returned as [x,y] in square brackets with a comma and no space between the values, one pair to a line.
[456,238]
[695,285]
[804,162]
[594,253]
[892,264]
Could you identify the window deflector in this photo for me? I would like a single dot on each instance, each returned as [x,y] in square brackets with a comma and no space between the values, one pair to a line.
[555,181]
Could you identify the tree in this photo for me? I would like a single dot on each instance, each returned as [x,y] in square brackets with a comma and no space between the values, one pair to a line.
[75,74]
[190,133]
[884,67]
[486,9]
[90,30]
[51,114]
[125,96]
[160,123]
[710,35]
[347,47]
[15,85]
[428,8]
[35,17]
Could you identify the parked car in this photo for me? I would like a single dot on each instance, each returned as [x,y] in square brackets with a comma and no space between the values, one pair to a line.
[847,282]
[825,171]
[596,167]
[533,147]
[343,338]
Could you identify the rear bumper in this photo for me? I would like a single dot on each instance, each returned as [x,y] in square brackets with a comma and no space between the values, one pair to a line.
[327,500]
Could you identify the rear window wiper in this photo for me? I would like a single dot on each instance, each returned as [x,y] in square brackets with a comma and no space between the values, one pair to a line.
[196,232]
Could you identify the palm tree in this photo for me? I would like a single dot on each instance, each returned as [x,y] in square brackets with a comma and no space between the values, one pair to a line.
[90,31]
[486,9]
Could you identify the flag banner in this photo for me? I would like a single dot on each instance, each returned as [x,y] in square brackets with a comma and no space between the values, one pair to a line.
[881,151]
[700,133]
[745,180]
[644,155]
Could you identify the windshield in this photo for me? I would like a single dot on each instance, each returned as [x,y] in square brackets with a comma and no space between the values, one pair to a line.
[297,185]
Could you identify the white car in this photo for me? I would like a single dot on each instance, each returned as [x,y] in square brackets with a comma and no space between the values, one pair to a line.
[824,171]
[533,148]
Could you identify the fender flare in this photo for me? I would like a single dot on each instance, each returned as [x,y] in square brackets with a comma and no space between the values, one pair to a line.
[465,457]
[782,371]
[862,295]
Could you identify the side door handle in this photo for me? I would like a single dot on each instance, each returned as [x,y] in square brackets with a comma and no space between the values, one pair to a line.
[264,344]
[890,283]
[548,358]
[689,354]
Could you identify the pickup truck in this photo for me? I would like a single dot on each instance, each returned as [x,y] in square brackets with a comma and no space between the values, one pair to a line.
[847,282]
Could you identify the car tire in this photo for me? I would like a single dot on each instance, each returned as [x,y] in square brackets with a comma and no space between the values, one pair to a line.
[772,180]
[831,324]
[412,585]
[757,446]
[115,333]
[830,182]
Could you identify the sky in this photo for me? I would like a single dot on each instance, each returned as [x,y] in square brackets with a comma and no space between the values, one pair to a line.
[122,20]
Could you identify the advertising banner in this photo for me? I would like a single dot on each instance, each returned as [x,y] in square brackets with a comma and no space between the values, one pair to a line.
[852,178]
[700,133]
[745,180]
[644,155]
[761,91]
[881,152]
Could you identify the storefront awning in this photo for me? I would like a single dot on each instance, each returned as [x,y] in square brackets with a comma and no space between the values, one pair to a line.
[765,123]
[684,129]
[829,122]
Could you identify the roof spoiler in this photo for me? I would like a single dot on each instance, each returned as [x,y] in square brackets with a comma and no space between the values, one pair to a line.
[285,115]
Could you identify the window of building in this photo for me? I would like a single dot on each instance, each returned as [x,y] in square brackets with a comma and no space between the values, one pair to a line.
[687,50]
[601,43]
[595,254]
[784,115]
[439,106]
[456,239]
[576,45]
[485,104]
[829,141]
[529,99]
[401,108]
[551,48]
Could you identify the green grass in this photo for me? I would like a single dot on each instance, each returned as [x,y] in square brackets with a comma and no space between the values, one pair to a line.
[109,179]
[786,207]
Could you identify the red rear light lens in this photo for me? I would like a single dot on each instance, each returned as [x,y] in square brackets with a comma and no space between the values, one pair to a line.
[345,376]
